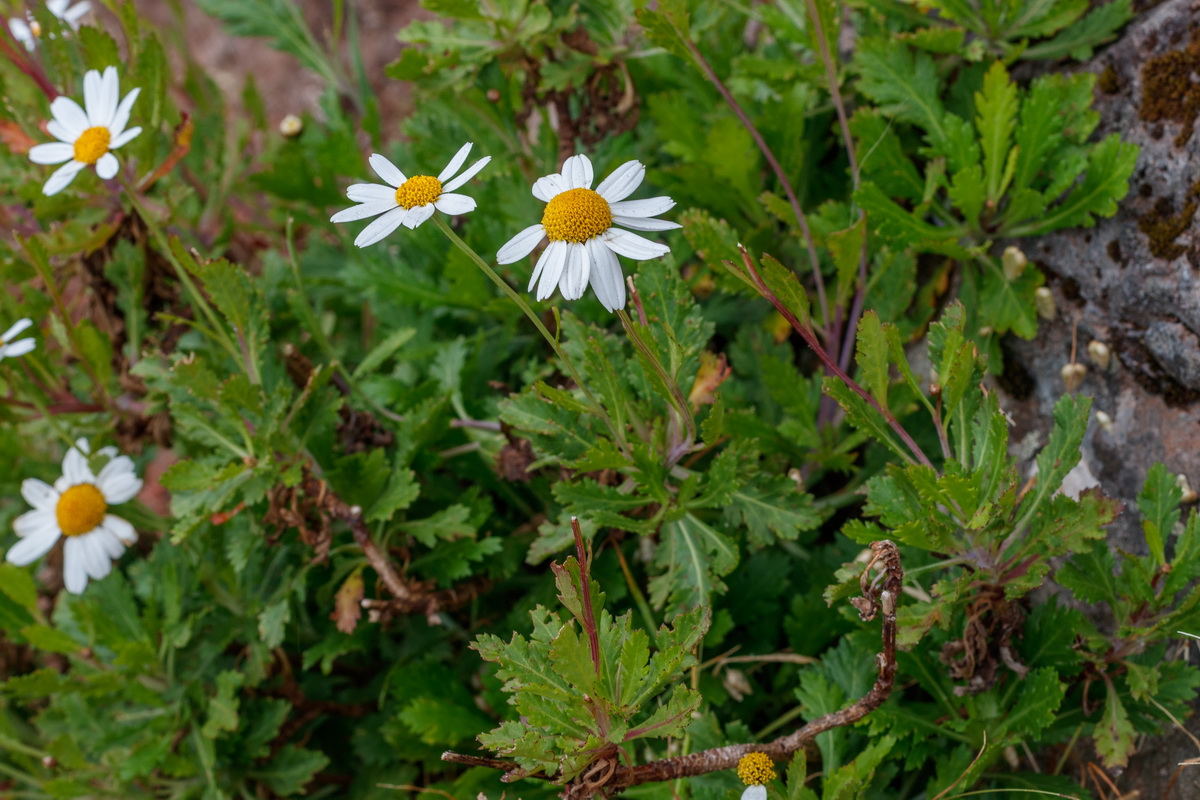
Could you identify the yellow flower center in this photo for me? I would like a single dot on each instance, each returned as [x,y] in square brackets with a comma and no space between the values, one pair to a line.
[80,509]
[92,144]
[576,215]
[756,769]
[419,190]
[35,28]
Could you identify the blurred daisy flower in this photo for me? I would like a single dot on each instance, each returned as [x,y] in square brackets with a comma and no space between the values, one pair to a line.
[755,769]
[408,201]
[579,222]
[9,348]
[27,31]
[86,138]
[76,507]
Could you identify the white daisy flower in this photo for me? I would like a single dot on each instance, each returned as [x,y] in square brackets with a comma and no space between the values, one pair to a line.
[27,31]
[408,201]
[579,222]
[86,138]
[9,348]
[76,507]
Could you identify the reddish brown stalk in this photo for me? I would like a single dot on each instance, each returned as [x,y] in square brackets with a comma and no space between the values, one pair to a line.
[585,578]
[810,338]
[773,162]
[879,599]
[32,70]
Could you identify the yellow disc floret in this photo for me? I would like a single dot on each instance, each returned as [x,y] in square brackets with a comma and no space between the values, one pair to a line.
[755,769]
[92,144]
[419,190]
[576,215]
[80,510]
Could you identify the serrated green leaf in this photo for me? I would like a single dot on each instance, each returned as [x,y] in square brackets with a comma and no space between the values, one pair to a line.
[1159,503]
[996,106]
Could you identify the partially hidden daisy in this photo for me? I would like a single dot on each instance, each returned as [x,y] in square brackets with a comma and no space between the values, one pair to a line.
[579,222]
[408,201]
[755,769]
[27,31]
[10,348]
[76,507]
[86,138]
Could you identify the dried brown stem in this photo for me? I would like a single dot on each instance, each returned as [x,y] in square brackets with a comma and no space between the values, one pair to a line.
[879,599]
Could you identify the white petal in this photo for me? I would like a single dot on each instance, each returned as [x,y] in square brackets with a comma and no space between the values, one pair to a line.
[56,129]
[622,182]
[363,211]
[21,32]
[575,276]
[578,172]
[550,267]
[119,528]
[57,7]
[62,177]
[645,223]
[110,93]
[542,261]
[381,227]
[68,113]
[387,170]
[547,186]
[607,279]
[418,215]
[125,138]
[650,207]
[74,569]
[76,12]
[755,792]
[31,548]
[633,246]
[118,481]
[39,494]
[455,204]
[107,166]
[121,116]
[113,546]
[16,329]
[455,163]
[471,172]
[92,95]
[521,245]
[33,523]
[75,469]
[51,153]
[19,348]
[96,559]
[371,193]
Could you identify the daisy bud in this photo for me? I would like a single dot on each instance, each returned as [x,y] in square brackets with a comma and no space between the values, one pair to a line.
[1014,262]
[1043,300]
[1099,353]
[291,126]
[1104,421]
[1189,495]
[1073,375]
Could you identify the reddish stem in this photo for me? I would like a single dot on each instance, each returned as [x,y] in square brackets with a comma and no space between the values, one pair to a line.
[585,578]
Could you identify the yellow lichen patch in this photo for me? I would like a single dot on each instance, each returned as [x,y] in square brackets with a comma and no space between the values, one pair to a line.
[756,769]
[576,215]
[80,509]
[419,190]
[92,144]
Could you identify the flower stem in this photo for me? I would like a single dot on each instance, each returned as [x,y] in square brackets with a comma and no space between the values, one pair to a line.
[470,253]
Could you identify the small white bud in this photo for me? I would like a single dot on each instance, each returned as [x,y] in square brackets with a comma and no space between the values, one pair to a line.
[1099,353]
[1073,375]
[1104,421]
[291,125]
[1014,262]
[1043,299]
[1189,494]
[888,602]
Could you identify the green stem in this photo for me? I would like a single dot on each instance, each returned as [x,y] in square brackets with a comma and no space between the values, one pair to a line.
[466,249]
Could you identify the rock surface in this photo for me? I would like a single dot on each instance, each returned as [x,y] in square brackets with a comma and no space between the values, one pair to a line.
[1133,283]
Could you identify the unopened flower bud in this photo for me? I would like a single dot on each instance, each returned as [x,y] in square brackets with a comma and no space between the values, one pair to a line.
[1100,355]
[1014,262]
[1104,421]
[734,681]
[291,125]
[49,762]
[1189,494]
[1043,300]
[493,95]
[1073,375]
